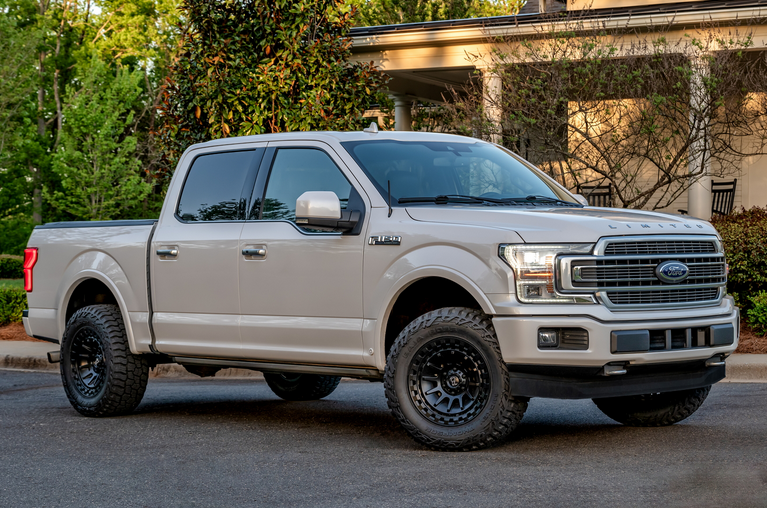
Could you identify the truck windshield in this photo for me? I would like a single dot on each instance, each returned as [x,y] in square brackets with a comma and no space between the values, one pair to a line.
[442,172]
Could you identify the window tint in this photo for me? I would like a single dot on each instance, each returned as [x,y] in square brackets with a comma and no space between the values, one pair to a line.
[299,170]
[214,185]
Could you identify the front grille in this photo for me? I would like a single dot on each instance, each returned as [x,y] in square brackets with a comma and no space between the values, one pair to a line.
[624,272]
[607,273]
[662,296]
[659,247]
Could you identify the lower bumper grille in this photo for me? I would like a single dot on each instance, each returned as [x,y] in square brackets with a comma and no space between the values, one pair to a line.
[637,341]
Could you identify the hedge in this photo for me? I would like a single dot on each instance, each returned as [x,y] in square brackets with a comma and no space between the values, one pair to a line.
[12,302]
[11,267]
[744,235]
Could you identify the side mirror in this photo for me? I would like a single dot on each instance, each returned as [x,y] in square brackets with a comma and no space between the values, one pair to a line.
[582,200]
[322,210]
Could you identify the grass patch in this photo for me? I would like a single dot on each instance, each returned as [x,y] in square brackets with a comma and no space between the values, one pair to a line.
[12,283]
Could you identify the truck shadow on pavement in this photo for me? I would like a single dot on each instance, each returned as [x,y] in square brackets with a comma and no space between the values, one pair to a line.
[358,410]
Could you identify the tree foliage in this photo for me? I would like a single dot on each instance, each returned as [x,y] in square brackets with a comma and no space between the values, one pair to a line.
[96,160]
[254,67]
[46,48]
[392,12]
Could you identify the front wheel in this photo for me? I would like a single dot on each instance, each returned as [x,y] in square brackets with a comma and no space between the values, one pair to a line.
[101,376]
[447,384]
[301,386]
[655,409]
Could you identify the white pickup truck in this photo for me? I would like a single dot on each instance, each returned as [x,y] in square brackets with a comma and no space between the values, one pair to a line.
[449,268]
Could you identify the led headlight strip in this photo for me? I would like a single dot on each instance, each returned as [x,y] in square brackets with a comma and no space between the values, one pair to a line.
[535,271]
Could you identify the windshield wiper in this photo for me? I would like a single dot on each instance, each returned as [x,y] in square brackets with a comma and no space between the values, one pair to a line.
[451,198]
[537,198]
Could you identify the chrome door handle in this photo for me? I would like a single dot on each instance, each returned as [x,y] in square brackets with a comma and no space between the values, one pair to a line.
[254,252]
[167,252]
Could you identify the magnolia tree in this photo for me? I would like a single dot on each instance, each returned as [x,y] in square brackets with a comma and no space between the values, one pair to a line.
[257,66]
[648,112]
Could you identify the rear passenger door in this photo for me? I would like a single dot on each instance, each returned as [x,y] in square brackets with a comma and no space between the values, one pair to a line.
[194,255]
[301,294]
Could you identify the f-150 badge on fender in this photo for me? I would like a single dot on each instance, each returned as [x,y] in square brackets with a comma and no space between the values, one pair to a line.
[672,272]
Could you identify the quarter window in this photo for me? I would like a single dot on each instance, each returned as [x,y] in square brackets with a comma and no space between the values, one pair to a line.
[299,170]
[214,185]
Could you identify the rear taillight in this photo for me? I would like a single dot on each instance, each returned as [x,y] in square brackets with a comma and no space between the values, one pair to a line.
[30,258]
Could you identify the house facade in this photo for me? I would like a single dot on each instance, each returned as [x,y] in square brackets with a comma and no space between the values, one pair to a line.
[426,60]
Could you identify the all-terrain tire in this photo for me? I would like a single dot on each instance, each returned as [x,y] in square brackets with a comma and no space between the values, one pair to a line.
[655,409]
[446,382]
[101,376]
[301,386]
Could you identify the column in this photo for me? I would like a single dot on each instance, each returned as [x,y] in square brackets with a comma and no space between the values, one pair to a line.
[699,193]
[491,98]
[403,120]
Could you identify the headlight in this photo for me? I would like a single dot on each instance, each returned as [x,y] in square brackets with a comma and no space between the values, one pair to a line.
[535,271]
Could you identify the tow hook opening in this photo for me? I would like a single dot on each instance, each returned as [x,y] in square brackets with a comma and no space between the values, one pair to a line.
[614,369]
[715,361]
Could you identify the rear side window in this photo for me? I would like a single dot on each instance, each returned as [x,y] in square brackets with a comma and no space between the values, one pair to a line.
[213,190]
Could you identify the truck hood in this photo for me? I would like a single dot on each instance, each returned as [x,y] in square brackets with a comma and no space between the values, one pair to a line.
[565,225]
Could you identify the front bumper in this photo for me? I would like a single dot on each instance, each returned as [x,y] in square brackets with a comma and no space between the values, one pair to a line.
[589,383]
[518,339]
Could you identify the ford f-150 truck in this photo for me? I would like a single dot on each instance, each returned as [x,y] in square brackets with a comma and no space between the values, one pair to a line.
[449,268]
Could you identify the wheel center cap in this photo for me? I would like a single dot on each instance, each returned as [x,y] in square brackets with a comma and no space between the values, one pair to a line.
[455,379]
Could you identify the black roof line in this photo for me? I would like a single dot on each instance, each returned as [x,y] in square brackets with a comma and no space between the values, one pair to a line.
[524,19]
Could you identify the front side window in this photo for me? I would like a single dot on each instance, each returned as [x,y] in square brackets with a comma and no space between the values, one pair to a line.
[298,170]
[213,188]
[426,169]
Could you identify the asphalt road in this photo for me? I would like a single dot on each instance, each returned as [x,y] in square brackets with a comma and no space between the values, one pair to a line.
[230,442]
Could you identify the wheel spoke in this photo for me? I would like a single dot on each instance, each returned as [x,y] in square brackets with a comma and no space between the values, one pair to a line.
[450,384]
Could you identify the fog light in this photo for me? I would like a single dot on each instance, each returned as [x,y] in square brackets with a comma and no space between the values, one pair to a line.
[533,291]
[548,339]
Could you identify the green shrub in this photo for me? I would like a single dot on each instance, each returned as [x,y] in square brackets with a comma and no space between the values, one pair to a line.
[757,314]
[11,267]
[744,235]
[12,302]
[14,234]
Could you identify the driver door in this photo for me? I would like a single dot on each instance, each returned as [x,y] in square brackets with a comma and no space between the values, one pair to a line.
[300,290]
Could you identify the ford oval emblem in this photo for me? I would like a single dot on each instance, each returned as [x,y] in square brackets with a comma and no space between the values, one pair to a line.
[672,272]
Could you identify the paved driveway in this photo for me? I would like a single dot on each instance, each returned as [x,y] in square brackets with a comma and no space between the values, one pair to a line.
[229,442]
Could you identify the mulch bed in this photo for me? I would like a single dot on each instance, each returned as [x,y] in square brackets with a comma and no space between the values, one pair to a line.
[749,341]
[15,331]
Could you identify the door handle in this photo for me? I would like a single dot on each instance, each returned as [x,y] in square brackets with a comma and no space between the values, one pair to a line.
[254,252]
[167,252]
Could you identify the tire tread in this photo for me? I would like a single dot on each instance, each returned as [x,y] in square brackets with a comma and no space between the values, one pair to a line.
[129,373]
[511,409]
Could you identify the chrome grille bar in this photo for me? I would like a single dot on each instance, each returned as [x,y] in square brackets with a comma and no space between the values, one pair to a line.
[629,280]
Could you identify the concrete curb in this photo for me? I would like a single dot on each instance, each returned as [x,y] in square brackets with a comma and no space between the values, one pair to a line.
[21,355]
[32,356]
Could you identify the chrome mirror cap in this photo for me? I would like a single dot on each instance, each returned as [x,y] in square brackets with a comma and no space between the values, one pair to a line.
[318,205]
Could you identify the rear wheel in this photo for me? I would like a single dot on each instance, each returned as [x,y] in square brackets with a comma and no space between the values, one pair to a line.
[447,384]
[101,376]
[655,409]
[301,386]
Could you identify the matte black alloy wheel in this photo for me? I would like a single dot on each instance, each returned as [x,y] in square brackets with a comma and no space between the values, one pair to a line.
[447,384]
[292,386]
[87,362]
[101,377]
[449,381]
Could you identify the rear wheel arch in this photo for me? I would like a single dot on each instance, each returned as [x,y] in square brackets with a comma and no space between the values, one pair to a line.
[94,288]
